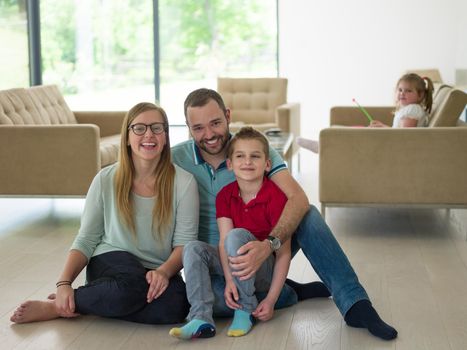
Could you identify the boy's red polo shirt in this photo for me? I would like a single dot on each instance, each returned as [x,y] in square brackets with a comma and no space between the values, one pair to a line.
[259,215]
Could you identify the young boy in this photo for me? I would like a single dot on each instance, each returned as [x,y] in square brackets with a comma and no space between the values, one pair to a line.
[246,210]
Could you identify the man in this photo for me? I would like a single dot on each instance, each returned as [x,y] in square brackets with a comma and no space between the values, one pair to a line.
[205,157]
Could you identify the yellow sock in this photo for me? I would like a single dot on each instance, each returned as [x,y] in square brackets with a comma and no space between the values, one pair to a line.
[241,324]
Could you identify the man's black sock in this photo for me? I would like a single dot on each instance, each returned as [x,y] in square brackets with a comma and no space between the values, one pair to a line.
[363,315]
[309,290]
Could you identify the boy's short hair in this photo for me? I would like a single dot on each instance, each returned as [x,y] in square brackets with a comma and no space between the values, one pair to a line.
[248,133]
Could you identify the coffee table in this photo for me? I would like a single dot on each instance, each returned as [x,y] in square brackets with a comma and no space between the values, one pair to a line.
[282,143]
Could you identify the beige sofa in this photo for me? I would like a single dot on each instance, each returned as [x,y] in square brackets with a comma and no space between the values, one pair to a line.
[395,167]
[48,150]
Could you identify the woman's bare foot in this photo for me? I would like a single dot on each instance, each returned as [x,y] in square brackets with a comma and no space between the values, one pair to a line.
[35,310]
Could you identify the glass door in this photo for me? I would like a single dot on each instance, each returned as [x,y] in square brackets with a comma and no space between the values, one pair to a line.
[100,53]
[202,40]
[14,63]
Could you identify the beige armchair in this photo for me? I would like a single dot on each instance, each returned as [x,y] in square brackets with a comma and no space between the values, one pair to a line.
[260,103]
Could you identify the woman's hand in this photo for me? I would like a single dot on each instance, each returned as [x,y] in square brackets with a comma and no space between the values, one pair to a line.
[65,301]
[158,282]
[231,295]
[264,311]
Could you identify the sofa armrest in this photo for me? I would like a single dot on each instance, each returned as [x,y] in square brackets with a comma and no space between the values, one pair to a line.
[109,122]
[46,160]
[393,166]
[288,116]
[351,116]
[288,119]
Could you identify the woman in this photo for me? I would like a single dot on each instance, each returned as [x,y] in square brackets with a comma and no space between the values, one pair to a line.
[138,215]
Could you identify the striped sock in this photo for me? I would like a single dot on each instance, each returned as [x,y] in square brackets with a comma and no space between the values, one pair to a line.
[194,329]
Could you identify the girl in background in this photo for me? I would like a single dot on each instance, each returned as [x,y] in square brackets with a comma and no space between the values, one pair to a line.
[414,100]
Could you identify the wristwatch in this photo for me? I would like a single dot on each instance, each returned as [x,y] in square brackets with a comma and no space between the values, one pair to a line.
[274,242]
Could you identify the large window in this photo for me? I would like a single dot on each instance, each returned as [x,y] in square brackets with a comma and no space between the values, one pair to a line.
[109,55]
[14,71]
[100,52]
[201,40]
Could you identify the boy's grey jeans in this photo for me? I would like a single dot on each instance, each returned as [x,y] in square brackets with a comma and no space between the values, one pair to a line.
[205,281]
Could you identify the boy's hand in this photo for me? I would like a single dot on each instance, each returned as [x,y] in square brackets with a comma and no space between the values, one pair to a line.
[231,295]
[249,259]
[264,311]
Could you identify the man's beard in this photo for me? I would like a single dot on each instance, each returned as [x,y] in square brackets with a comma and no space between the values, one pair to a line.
[223,139]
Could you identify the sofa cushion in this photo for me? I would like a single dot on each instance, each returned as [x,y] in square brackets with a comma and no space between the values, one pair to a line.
[253,101]
[51,105]
[109,149]
[17,108]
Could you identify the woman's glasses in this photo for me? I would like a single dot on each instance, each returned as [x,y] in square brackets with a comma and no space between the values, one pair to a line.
[140,128]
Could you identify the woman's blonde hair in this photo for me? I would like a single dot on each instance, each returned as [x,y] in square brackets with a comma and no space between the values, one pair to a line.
[164,175]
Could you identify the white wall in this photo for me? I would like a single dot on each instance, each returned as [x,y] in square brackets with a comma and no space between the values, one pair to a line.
[336,50]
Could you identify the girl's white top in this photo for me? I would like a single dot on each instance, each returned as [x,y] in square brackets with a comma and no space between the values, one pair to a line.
[413,111]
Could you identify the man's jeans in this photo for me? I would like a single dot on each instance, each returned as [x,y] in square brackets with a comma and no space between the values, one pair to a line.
[205,282]
[328,260]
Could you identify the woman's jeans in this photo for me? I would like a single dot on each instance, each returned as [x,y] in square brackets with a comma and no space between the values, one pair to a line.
[116,287]
[206,284]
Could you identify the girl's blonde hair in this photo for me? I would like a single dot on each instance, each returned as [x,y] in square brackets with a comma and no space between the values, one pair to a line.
[164,175]
[423,86]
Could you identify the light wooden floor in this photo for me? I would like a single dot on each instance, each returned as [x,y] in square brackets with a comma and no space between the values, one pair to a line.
[413,264]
